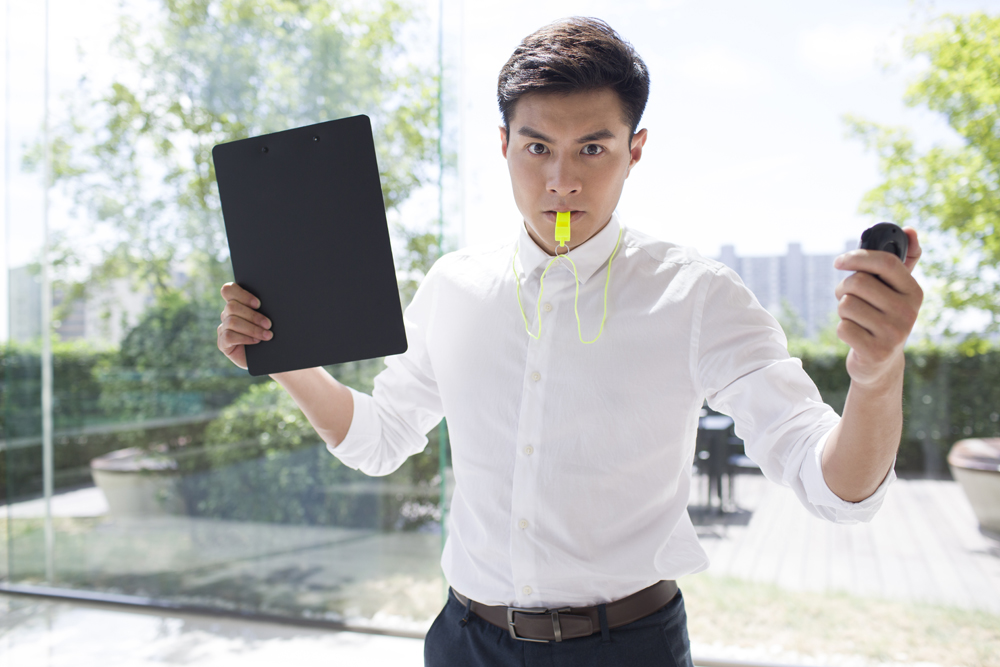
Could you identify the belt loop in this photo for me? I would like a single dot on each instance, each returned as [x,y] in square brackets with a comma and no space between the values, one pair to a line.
[602,613]
[468,610]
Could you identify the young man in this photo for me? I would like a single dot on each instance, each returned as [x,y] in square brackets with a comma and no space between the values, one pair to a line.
[573,402]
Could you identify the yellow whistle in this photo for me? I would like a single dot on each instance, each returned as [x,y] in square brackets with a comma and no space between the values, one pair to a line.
[562,227]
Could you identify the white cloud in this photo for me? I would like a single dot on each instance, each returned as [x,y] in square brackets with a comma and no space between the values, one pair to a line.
[847,53]
[719,67]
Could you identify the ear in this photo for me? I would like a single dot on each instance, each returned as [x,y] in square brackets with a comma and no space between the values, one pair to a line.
[503,141]
[638,140]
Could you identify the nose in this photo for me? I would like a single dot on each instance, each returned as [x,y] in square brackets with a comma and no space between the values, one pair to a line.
[563,179]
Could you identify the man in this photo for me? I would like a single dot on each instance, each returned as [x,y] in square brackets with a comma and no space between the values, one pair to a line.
[572,389]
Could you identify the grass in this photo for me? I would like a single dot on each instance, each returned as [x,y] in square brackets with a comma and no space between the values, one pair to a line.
[734,612]
[721,610]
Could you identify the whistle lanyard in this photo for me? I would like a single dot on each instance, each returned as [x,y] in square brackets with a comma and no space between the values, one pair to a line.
[576,297]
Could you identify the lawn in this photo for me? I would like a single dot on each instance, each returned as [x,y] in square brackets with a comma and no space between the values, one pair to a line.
[835,629]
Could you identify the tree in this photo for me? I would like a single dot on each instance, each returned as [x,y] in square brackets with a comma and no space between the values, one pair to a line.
[137,157]
[791,322]
[167,366]
[420,251]
[952,194]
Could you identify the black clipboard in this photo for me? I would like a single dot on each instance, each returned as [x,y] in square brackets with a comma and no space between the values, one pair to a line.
[308,236]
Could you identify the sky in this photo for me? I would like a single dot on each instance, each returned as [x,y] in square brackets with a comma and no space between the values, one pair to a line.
[746,143]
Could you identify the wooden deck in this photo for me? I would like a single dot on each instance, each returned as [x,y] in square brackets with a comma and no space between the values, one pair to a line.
[923,545]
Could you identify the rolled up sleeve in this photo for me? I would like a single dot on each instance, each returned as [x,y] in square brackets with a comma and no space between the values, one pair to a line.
[359,448]
[828,504]
[392,423]
[746,372]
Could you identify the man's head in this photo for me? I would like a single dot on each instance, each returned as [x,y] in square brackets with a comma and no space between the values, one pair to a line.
[571,97]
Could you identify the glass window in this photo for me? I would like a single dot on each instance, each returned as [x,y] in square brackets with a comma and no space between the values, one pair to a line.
[174,475]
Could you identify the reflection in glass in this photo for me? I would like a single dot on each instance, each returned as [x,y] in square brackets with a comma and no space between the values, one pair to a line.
[178,477]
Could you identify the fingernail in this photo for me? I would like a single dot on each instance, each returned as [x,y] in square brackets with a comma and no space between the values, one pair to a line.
[256,303]
[268,335]
[267,323]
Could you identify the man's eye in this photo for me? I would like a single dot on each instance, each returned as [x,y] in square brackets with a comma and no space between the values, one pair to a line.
[540,147]
[587,149]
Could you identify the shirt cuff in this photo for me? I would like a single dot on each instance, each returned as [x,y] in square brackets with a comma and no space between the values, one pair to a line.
[363,435]
[828,504]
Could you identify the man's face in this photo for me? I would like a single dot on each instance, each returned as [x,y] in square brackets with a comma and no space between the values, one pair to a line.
[568,152]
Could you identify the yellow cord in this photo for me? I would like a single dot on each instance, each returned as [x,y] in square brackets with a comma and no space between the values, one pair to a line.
[576,297]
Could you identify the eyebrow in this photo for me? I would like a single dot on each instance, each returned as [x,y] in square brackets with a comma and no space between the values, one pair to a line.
[593,136]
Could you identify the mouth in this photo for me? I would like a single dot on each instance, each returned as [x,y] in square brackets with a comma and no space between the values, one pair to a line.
[573,216]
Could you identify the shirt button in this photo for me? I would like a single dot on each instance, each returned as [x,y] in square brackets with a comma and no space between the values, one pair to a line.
[526,590]
[536,376]
[522,524]
[529,450]
[547,307]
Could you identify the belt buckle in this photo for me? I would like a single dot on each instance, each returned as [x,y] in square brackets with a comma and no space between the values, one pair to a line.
[556,627]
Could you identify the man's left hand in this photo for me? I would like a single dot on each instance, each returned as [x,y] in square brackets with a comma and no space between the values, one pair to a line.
[876,316]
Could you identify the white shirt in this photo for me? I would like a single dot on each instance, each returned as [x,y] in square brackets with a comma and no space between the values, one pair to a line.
[573,462]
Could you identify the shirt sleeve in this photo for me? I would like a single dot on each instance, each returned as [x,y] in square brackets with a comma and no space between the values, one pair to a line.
[745,371]
[392,423]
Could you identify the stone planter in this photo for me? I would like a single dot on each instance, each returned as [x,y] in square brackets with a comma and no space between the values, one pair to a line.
[138,484]
[975,465]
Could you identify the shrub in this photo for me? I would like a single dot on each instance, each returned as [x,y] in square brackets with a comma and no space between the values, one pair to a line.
[263,461]
[168,365]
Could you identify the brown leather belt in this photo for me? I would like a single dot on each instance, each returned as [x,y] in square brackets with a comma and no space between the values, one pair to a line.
[546,625]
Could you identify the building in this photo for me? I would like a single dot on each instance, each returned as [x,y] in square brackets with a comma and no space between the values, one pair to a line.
[103,318]
[806,283]
[25,312]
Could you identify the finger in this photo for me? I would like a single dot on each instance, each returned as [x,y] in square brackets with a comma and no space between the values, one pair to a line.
[238,324]
[914,250]
[238,355]
[867,287]
[232,291]
[860,312]
[883,264]
[856,336]
[899,308]
[236,309]
[229,339]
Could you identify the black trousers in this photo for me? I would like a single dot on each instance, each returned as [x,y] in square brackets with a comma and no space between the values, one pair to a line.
[460,638]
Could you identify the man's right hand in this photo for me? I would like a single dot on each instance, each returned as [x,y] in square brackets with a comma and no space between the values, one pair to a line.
[241,324]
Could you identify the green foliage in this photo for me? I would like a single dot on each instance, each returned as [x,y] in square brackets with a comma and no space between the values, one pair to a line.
[80,422]
[422,249]
[828,369]
[791,323]
[159,392]
[137,156]
[265,418]
[263,461]
[167,370]
[169,366]
[822,345]
[75,394]
[951,194]
[260,459]
[948,395]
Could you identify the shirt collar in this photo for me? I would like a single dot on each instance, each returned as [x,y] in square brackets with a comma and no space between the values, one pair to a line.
[589,256]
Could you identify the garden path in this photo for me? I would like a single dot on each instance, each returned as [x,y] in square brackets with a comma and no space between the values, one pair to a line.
[923,545]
